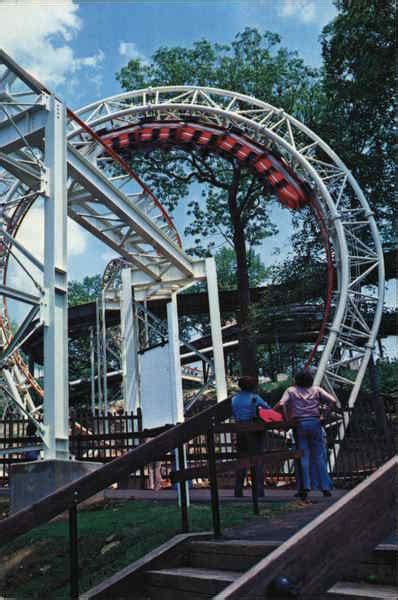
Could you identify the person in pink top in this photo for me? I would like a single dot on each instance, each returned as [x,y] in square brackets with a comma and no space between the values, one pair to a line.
[301,405]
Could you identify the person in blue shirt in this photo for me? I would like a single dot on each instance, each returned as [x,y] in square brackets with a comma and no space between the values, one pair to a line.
[244,408]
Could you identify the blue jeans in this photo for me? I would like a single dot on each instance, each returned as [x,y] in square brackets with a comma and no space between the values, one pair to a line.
[309,439]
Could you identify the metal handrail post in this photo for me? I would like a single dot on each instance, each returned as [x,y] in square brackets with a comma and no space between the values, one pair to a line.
[183,492]
[74,551]
[253,471]
[211,462]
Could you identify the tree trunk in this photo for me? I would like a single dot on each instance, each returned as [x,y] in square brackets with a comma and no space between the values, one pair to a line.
[247,344]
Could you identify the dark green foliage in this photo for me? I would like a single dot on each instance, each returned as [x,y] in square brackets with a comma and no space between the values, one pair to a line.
[358,49]
[233,203]
[80,292]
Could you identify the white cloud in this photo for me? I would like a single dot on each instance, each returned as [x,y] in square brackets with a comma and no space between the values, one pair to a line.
[129,50]
[307,11]
[38,35]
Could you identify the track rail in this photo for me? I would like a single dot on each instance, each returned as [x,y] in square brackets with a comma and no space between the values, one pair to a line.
[294,160]
[350,337]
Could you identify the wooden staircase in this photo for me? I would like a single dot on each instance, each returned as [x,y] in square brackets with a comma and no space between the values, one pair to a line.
[199,569]
[339,545]
[374,577]
[207,567]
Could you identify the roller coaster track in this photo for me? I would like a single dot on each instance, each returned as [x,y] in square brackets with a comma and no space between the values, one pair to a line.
[284,154]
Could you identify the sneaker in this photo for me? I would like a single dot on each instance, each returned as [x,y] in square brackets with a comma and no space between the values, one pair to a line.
[327,493]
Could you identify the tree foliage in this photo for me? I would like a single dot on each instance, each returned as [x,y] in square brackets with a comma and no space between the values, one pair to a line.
[226,269]
[358,49]
[233,202]
[80,292]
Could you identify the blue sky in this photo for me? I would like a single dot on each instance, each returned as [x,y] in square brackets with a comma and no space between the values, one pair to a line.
[77,47]
[125,29]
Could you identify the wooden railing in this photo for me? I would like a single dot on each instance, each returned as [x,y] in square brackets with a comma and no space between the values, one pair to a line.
[103,437]
[94,482]
[316,555]
[365,514]
[174,438]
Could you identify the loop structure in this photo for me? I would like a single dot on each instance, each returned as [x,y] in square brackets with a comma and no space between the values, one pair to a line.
[109,200]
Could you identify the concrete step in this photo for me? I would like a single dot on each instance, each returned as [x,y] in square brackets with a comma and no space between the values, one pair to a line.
[346,590]
[232,555]
[187,583]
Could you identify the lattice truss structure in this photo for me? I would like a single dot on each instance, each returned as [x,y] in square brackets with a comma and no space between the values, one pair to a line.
[37,161]
[103,198]
[149,330]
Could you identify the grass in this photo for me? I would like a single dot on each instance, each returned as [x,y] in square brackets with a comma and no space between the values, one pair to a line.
[110,537]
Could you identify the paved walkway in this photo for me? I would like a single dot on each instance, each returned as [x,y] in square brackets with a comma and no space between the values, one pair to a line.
[203,495]
[282,526]
[279,528]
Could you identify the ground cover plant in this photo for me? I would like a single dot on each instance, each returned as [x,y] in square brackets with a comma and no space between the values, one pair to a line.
[110,537]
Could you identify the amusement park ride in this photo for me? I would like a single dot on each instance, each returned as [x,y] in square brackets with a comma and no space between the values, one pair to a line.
[77,164]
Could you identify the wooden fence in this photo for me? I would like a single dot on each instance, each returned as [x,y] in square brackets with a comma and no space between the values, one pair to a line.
[99,437]
[102,437]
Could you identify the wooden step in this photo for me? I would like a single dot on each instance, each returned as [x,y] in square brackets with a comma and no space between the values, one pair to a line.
[379,567]
[187,583]
[232,555]
[345,590]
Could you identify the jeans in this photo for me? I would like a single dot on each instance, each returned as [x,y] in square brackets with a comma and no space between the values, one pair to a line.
[309,439]
[250,443]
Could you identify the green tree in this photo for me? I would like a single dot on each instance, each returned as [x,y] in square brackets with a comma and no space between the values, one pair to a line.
[80,292]
[226,269]
[355,117]
[233,203]
[358,49]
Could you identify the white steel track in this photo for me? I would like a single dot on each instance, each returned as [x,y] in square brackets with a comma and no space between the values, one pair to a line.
[105,198]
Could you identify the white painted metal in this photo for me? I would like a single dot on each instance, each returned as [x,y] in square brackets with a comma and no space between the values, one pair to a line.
[56,402]
[216,334]
[92,370]
[129,343]
[175,361]
[349,220]
[115,211]
[157,400]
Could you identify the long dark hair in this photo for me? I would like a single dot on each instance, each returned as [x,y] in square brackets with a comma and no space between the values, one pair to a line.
[248,384]
[304,378]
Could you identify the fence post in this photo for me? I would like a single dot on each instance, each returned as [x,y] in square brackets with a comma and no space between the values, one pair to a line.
[253,471]
[139,425]
[183,491]
[211,462]
[73,550]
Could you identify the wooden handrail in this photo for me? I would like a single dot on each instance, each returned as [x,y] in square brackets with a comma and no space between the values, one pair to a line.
[81,489]
[242,462]
[317,554]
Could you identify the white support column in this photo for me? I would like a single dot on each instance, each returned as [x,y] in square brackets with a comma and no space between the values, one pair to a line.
[216,333]
[130,366]
[177,408]
[55,306]
[92,369]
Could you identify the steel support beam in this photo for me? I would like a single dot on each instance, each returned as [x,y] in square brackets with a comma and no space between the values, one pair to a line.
[130,368]
[92,180]
[56,409]
[26,126]
[177,409]
[215,326]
